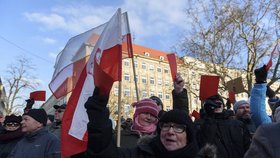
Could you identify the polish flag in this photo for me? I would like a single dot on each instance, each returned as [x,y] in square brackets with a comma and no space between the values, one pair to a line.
[73,58]
[102,69]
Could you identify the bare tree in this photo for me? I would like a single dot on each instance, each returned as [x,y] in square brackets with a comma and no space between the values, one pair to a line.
[18,78]
[231,34]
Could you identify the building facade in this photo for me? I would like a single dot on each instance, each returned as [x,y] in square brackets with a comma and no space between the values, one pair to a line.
[153,77]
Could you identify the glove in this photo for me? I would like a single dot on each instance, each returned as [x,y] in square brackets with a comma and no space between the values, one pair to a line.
[97,111]
[96,101]
[228,103]
[261,75]
[29,103]
[269,92]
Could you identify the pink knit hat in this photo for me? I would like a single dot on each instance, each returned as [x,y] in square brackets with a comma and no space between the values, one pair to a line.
[146,106]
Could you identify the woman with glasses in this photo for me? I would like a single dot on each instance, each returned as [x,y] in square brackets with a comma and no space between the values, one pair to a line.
[11,135]
[175,136]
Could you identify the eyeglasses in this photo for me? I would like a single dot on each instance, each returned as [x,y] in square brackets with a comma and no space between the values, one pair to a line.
[12,124]
[59,111]
[176,127]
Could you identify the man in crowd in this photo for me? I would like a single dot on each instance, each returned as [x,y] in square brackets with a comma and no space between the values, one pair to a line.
[37,142]
[230,136]
[55,128]
[265,142]
[11,134]
[243,113]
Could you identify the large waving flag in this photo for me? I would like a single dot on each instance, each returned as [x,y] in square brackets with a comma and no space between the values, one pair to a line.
[102,69]
[73,58]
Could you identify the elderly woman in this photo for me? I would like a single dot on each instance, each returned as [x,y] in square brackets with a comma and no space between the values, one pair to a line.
[175,137]
[11,135]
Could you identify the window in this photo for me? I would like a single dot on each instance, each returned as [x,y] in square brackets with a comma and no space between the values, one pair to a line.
[144,66]
[152,93]
[167,96]
[158,69]
[152,80]
[152,67]
[126,63]
[146,53]
[134,94]
[135,63]
[144,94]
[144,80]
[160,95]
[161,58]
[166,70]
[116,91]
[126,77]
[166,83]
[159,82]
[136,78]
[126,92]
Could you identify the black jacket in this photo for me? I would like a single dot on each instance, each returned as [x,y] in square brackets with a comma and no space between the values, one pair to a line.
[8,141]
[230,136]
[181,101]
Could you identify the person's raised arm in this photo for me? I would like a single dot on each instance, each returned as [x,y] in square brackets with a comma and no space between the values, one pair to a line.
[99,127]
[258,96]
[180,96]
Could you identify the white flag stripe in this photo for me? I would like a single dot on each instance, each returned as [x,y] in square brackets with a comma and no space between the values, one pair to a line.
[80,118]
[110,37]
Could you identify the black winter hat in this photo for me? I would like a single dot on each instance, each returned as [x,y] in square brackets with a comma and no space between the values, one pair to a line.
[12,118]
[39,115]
[179,117]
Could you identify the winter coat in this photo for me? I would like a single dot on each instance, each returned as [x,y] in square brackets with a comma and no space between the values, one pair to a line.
[181,101]
[55,129]
[250,125]
[128,138]
[265,143]
[40,144]
[230,136]
[257,105]
[8,140]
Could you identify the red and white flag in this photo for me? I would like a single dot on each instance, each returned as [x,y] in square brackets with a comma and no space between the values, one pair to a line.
[73,58]
[102,69]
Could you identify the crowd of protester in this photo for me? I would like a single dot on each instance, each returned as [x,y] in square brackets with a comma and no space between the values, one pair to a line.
[245,131]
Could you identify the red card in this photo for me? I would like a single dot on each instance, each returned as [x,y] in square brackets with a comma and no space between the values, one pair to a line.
[231,97]
[38,95]
[269,64]
[208,86]
[173,65]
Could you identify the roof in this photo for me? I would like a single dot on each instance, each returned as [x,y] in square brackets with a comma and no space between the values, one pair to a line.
[153,53]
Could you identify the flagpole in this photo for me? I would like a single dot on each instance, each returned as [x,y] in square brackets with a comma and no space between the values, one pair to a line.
[135,81]
[119,116]
[133,64]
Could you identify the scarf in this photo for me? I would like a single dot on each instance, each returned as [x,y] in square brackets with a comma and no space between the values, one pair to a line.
[150,129]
